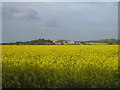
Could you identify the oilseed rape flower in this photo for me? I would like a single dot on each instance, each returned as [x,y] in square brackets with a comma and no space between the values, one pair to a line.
[60,66]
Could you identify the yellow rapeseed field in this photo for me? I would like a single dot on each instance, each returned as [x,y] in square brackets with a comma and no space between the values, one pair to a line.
[60,66]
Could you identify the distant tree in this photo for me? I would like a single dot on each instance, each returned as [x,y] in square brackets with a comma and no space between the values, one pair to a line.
[83,43]
[62,43]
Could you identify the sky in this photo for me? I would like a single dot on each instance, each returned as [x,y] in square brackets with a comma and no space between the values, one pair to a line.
[59,0]
[23,21]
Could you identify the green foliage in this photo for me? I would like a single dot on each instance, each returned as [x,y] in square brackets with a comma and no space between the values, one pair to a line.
[49,42]
[109,41]
[92,43]
[62,43]
[33,42]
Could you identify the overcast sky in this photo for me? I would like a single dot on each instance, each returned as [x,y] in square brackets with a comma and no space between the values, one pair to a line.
[24,21]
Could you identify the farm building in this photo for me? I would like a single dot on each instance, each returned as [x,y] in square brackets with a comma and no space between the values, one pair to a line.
[77,42]
[63,41]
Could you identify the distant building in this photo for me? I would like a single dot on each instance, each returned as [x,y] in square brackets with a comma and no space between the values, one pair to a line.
[63,41]
[77,42]
[71,42]
[67,41]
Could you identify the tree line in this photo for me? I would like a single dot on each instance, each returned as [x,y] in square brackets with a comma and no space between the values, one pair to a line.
[50,42]
[109,41]
[32,42]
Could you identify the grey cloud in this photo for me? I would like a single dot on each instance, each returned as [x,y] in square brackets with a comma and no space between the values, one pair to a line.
[25,14]
[17,14]
[8,11]
[75,21]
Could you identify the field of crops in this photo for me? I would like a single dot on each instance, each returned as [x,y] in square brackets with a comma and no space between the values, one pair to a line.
[97,43]
[60,66]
